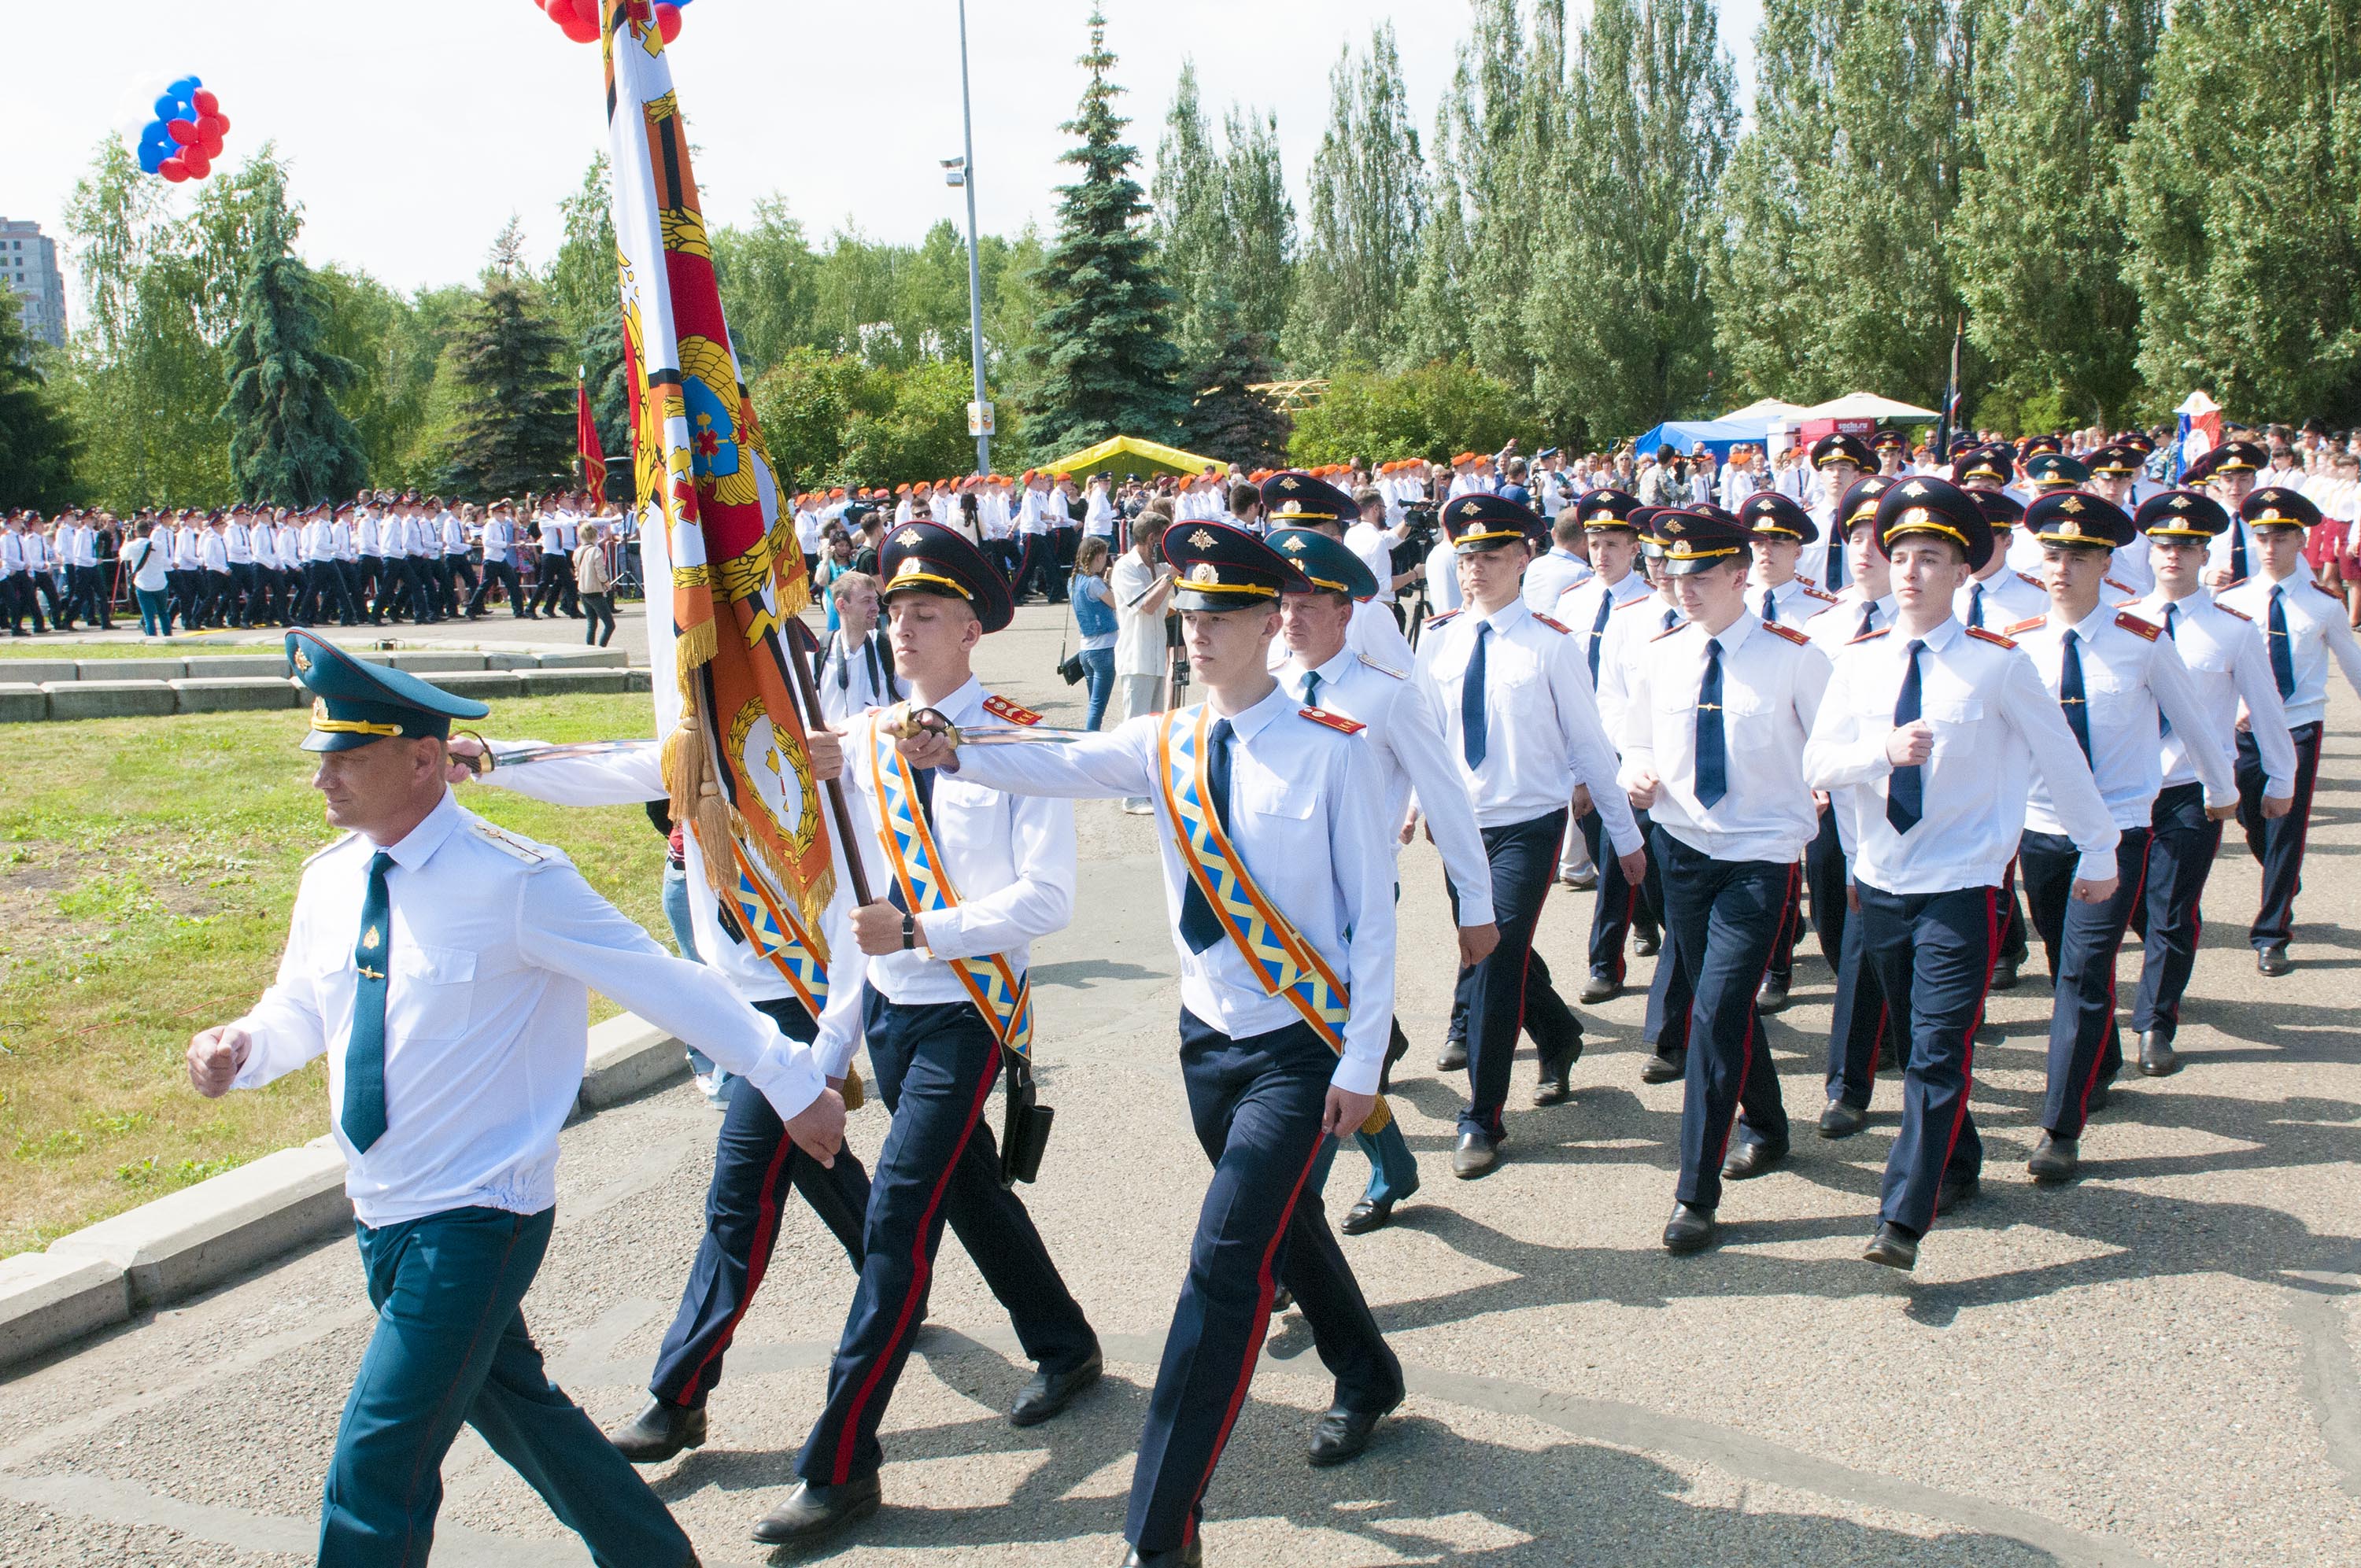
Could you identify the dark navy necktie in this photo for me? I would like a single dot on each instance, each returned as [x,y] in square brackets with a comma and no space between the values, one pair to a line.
[1836,558]
[2282,648]
[1976,605]
[2071,695]
[2164,725]
[1312,689]
[362,1117]
[2238,551]
[1672,618]
[1472,736]
[1199,926]
[1712,758]
[1906,787]
[1598,629]
[1770,607]
[1868,621]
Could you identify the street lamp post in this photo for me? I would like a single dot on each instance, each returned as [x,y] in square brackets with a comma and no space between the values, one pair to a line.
[961,171]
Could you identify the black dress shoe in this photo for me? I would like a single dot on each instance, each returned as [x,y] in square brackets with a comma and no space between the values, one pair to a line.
[1600,988]
[1662,1068]
[1689,1230]
[2272,959]
[1952,1191]
[1478,1155]
[658,1432]
[1771,996]
[1751,1159]
[2055,1160]
[1893,1246]
[1369,1214]
[2157,1057]
[1839,1120]
[1047,1392]
[1454,1057]
[2004,975]
[1281,1300]
[1342,1433]
[1555,1087]
[814,1513]
[1645,943]
[1190,1556]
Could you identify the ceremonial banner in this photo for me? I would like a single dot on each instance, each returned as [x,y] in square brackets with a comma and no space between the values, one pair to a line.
[2200,431]
[586,442]
[723,570]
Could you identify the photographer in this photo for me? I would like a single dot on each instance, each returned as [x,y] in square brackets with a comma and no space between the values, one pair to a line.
[1377,545]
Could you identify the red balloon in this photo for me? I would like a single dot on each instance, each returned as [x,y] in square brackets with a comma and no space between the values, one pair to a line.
[593,12]
[221,123]
[174,170]
[668,22]
[204,101]
[196,164]
[182,131]
[207,126]
[579,29]
[211,147]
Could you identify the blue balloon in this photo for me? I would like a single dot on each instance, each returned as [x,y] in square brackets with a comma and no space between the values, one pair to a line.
[151,157]
[168,108]
[183,87]
[157,141]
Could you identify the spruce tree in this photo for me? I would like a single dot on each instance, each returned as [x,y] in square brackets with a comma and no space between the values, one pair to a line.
[608,377]
[1228,422]
[37,446]
[1368,207]
[513,429]
[1102,361]
[290,445]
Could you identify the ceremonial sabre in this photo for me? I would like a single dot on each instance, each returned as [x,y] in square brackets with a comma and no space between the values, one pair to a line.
[910,723]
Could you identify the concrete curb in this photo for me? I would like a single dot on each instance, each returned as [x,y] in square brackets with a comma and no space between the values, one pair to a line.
[190,1241]
[237,694]
[266,686]
[110,699]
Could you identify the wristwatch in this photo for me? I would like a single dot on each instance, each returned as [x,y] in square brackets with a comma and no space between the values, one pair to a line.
[909,930]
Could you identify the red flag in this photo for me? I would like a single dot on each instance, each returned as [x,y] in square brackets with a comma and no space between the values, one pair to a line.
[585,441]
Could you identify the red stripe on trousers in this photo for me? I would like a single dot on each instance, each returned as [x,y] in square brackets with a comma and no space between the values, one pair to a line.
[1746,1058]
[1967,1059]
[2101,1054]
[766,1225]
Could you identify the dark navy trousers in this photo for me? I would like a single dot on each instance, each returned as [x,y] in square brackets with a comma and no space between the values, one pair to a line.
[1861,1021]
[1256,1105]
[2085,1045]
[1726,918]
[755,1166]
[1933,954]
[2182,842]
[2277,842]
[1619,904]
[1511,989]
[935,1064]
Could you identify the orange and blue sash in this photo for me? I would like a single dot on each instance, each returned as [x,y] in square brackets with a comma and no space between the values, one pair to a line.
[780,937]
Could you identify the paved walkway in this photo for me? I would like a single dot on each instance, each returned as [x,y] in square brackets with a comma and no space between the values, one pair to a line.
[2158,1364]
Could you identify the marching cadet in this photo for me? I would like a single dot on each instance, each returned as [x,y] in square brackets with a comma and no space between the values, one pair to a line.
[2119,682]
[1777,531]
[1588,610]
[1840,461]
[1277,879]
[974,877]
[769,956]
[1938,729]
[1406,739]
[1713,750]
[454,1037]
[1294,499]
[2114,470]
[1998,595]
[2227,473]
[1518,712]
[2304,626]
[2229,665]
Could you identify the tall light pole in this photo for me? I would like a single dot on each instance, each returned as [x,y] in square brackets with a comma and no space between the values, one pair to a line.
[961,171]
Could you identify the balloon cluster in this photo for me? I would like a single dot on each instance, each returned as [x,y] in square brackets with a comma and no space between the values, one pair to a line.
[185,137]
[581,19]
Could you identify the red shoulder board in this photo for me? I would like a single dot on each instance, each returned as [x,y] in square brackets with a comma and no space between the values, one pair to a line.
[2241,614]
[1557,626]
[1672,630]
[2030,580]
[1640,598]
[2133,624]
[2326,588]
[2119,588]
[1001,708]
[1336,721]
[1789,633]
[1817,593]
[1994,638]
[1439,619]
[2028,624]
[1870,636]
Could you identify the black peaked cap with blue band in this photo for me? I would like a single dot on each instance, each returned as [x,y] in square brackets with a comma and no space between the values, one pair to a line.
[1330,564]
[1478,521]
[354,702]
[1294,497]
[2079,518]
[2055,468]
[926,558]
[1924,504]
[1218,568]
[2181,514]
[1695,541]
[1776,516]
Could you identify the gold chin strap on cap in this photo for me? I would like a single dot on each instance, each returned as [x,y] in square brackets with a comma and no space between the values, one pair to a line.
[320,720]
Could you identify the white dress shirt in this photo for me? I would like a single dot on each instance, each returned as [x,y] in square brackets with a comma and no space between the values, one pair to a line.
[1549,577]
[1376,550]
[1407,739]
[2129,676]
[1796,600]
[1771,681]
[493,943]
[1841,623]
[1542,732]
[1577,610]
[856,679]
[2228,664]
[239,544]
[1633,624]
[1306,818]
[2316,625]
[1996,728]
[212,552]
[1442,594]
[2006,596]
[290,543]
[1011,858]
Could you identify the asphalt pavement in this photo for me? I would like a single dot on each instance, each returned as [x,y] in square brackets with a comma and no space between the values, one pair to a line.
[2156,1363]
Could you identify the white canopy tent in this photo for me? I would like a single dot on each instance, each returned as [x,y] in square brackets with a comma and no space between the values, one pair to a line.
[1865,405]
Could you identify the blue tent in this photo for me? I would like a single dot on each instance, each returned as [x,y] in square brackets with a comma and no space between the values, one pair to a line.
[1719,435]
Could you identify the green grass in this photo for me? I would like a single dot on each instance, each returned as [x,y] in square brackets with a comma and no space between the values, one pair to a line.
[147,870]
[158,648]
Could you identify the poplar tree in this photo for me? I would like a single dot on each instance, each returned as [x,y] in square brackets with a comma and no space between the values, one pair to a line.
[1190,230]
[288,442]
[1102,360]
[1367,204]
[1434,328]
[1258,220]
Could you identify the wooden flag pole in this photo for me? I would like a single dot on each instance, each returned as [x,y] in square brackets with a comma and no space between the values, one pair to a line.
[800,645]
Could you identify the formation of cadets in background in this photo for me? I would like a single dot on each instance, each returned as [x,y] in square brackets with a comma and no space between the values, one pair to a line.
[376,559]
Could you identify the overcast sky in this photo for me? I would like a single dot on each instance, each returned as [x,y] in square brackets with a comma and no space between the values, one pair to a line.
[414,132]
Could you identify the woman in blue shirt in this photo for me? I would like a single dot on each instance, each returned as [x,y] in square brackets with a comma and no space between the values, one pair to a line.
[1094,618]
